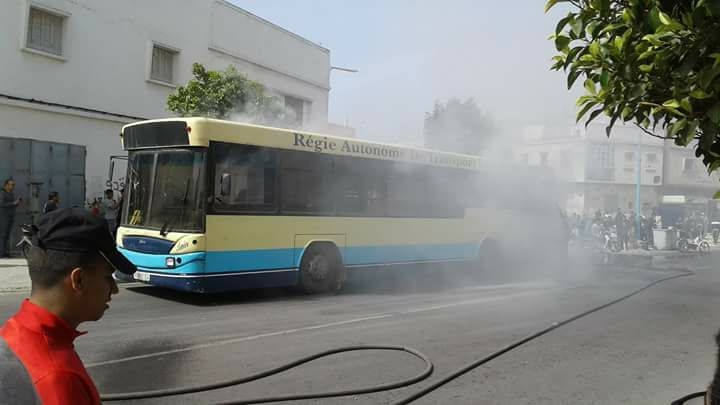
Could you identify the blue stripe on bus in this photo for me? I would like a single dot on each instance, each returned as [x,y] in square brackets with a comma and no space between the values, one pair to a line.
[251,260]
[411,253]
[191,262]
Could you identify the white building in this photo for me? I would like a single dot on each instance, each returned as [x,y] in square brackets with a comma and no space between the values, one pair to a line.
[599,173]
[75,71]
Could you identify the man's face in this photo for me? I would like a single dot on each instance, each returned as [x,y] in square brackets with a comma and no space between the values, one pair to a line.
[98,288]
[10,186]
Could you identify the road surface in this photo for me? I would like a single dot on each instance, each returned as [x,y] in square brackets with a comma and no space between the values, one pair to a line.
[649,349]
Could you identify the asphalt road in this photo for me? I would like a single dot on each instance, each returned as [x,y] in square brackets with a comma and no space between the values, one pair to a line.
[649,349]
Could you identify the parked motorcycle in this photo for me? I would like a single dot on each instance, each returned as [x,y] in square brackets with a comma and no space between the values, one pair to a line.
[612,242]
[697,244]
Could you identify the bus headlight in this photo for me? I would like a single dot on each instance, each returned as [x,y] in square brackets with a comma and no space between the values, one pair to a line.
[170,262]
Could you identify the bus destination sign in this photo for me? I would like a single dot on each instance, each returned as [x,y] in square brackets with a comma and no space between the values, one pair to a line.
[326,145]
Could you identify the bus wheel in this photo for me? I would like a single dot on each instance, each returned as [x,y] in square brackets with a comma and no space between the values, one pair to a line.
[320,270]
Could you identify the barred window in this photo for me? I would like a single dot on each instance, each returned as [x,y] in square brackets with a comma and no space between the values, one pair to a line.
[45,31]
[163,63]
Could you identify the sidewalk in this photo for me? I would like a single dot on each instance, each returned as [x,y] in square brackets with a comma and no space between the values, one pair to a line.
[641,257]
[14,275]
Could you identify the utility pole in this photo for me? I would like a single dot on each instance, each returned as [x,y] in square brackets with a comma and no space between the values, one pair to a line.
[638,182]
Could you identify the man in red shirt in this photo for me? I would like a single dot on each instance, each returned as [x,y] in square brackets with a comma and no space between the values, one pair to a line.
[71,264]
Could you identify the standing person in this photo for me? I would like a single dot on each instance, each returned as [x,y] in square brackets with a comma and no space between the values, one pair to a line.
[70,264]
[621,228]
[8,204]
[109,206]
[52,203]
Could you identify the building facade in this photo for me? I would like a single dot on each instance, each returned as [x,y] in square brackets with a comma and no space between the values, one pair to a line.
[76,71]
[600,173]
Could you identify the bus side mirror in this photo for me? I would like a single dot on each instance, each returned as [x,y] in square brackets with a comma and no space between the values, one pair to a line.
[225,184]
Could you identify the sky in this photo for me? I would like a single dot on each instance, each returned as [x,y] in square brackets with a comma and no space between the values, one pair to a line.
[411,53]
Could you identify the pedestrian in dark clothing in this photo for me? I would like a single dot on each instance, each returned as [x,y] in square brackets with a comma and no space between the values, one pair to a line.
[8,204]
[52,203]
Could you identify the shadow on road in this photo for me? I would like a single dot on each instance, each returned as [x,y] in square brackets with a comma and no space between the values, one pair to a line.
[415,279]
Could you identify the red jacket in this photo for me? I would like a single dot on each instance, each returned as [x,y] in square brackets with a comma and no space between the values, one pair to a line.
[44,344]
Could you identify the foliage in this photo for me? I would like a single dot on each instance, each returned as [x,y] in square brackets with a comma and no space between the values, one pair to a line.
[220,94]
[649,62]
[457,126]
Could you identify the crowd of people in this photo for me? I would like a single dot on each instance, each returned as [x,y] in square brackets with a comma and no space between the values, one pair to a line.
[622,224]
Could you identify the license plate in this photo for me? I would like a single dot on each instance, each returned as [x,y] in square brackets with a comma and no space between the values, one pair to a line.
[141,276]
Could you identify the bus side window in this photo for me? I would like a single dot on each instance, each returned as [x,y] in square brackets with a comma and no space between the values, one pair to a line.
[252,172]
[360,187]
[306,183]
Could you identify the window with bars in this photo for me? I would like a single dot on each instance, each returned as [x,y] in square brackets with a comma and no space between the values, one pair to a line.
[163,63]
[45,31]
[294,108]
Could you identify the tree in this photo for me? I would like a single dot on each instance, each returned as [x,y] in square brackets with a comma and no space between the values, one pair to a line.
[648,62]
[219,94]
[457,126]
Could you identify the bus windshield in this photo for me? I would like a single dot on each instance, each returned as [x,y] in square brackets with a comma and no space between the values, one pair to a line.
[165,190]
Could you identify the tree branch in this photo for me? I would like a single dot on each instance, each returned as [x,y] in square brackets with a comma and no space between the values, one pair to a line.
[650,133]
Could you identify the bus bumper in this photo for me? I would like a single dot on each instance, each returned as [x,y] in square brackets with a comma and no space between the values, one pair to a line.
[189,274]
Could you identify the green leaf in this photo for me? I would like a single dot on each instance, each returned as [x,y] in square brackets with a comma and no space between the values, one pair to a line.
[665,19]
[650,52]
[627,113]
[685,104]
[614,118]
[717,193]
[577,26]
[590,86]
[561,42]
[714,113]
[699,94]
[675,127]
[672,103]
[604,78]
[572,77]
[646,68]
[592,116]
[552,3]
[592,27]
[562,23]
[619,42]
[595,49]
[585,109]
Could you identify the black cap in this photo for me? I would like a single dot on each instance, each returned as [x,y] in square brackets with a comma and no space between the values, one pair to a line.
[77,230]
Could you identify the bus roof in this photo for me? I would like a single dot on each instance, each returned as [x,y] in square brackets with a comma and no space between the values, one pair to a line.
[195,131]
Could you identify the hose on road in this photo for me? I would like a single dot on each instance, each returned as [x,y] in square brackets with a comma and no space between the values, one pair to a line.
[377,388]
[254,377]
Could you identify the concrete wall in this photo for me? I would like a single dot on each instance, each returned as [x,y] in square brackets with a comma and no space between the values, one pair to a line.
[106,59]
[697,176]
[107,48]
[18,122]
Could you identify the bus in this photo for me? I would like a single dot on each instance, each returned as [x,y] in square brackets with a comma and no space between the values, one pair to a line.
[212,206]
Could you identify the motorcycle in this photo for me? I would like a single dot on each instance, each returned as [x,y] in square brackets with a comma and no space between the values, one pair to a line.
[697,244]
[26,242]
[612,243]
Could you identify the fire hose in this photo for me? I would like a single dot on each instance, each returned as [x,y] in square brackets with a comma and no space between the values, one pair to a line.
[427,372]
